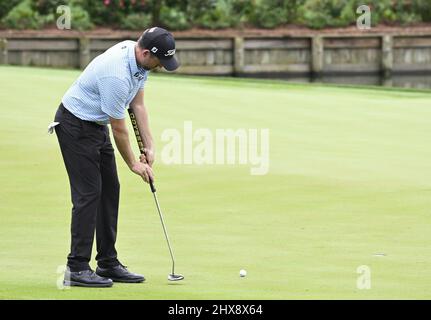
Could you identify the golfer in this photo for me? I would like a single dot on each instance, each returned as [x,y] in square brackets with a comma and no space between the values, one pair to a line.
[100,96]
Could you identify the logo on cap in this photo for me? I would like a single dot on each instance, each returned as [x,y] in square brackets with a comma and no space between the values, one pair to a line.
[154,50]
[170,53]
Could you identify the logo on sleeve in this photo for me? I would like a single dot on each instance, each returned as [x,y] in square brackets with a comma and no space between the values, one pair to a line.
[139,75]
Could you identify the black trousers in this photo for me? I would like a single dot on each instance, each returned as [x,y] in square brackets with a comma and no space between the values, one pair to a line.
[90,163]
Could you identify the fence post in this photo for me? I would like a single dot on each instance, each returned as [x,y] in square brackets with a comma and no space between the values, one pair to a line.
[3,51]
[238,67]
[317,55]
[84,52]
[387,55]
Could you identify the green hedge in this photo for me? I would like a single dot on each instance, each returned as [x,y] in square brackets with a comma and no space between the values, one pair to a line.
[23,16]
[210,14]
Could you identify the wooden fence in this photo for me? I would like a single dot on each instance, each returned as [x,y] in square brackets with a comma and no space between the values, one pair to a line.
[289,55]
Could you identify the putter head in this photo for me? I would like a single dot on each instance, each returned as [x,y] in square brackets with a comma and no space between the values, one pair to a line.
[175,277]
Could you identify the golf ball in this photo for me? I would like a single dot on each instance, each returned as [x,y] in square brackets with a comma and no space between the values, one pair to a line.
[242,273]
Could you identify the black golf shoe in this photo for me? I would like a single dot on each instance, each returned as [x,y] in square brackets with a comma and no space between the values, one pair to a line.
[86,278]
[120,274]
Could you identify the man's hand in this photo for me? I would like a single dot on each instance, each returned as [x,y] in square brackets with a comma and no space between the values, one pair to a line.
[143,170]
[147,157]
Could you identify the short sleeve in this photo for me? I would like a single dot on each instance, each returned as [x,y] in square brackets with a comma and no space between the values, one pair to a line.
[142,83]
[113,96]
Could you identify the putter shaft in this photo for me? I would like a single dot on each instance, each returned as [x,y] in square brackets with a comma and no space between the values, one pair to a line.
[153,189]
[166,233]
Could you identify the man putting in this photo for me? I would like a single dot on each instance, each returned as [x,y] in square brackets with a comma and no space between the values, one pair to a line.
[100,96]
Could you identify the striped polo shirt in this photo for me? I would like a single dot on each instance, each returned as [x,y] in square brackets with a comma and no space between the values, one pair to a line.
[107,85]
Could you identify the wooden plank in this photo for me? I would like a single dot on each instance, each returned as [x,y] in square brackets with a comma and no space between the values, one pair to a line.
[277,56]
[204,44]
[228,57]
[317,55]
[206,70]
[3,51]
[349,68]
[412,42]
[42,45]
[84,52]
[287,43]
[219,57]
[197,58]
[352,56]
[336,43]
[412,56]
[239,55]
[305,68]
[14,58]
[101,45]
[412,68]
[45,58]
[387,55]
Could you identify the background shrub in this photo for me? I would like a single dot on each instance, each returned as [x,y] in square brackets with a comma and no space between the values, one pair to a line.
[23,16]
[136,21]
[210,14]
[173,18]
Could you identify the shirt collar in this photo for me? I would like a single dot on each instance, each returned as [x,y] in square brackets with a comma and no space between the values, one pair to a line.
[137,71]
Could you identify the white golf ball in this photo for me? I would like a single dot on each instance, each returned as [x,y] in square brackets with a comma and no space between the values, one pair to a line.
[242,273]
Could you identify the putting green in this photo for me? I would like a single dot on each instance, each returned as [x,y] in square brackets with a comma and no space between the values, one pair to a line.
[349,185]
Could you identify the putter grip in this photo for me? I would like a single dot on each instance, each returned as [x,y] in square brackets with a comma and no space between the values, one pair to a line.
[153,188]
[139,140]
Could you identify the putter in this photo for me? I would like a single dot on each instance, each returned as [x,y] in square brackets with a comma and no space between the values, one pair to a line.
[172,276]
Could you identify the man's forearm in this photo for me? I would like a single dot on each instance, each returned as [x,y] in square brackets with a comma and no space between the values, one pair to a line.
[122,142]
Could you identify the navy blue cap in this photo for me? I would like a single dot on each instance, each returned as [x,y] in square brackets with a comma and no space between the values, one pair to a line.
[161,43]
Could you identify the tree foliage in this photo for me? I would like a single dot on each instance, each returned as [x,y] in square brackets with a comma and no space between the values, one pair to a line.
[211,14]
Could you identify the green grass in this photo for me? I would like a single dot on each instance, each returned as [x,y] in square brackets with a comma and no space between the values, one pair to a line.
[350,176]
